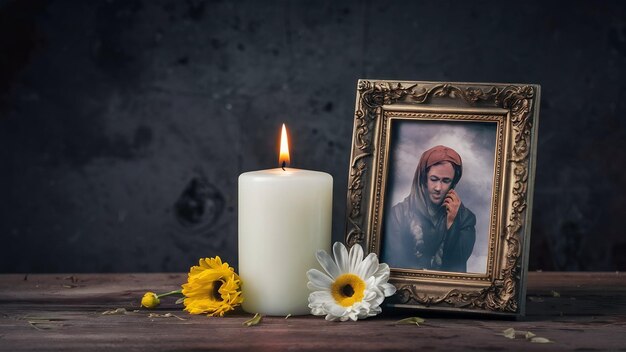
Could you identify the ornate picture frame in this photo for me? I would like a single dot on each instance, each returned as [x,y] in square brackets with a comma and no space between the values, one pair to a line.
[494,131]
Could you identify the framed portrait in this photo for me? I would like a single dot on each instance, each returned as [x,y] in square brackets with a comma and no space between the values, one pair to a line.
[440,188]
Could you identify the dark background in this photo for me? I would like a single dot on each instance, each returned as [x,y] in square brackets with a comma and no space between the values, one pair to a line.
[124,123]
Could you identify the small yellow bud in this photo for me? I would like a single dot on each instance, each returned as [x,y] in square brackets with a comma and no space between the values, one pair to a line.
[150,300]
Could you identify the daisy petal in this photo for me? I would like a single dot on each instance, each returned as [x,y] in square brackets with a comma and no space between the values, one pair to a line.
[365,313]
[382,274]
[335,310]
[380,296]
[374,311]
[327,263]
[369,295]
[318,279]
[368,266]
[388,289]
[341,257]
[317,311]
[356,257]
[320,297]
[313,287]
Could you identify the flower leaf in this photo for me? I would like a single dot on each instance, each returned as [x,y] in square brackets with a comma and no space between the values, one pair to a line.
[509,333]
[540,340]
[254,321]
[410,321]
[180,300]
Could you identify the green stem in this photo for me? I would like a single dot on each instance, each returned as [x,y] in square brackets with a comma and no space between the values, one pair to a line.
[179,292]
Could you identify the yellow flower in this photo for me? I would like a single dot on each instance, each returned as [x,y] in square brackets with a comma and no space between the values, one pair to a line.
[212,288]
[150,300]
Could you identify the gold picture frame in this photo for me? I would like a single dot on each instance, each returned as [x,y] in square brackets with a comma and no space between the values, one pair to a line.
[501,122]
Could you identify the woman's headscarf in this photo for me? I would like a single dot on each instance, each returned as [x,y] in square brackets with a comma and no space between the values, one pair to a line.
[418,199]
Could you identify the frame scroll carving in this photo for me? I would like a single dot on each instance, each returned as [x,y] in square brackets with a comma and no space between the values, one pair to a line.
[505,287]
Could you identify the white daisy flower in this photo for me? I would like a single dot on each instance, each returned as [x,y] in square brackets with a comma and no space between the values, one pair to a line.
[352,287]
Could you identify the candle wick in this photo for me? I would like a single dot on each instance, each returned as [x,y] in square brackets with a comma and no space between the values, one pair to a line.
[284,164]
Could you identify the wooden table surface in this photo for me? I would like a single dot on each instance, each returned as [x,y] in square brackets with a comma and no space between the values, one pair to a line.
[577,311]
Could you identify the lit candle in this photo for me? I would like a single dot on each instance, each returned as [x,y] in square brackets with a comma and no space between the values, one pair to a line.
[284,218]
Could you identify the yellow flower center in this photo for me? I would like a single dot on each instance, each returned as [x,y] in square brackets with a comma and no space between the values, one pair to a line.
[347,289]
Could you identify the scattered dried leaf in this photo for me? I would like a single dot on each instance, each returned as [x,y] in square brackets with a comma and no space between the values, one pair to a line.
[555,294]
[34,325]
[509,333]
[540,340]
[72,278]
[180,300]
[166,315]
[254,321]
[42,318]
[121,311]
[45,324]
[410,321]
[70,286]
[288,315]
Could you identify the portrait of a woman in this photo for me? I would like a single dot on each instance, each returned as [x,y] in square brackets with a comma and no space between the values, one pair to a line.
[431,228]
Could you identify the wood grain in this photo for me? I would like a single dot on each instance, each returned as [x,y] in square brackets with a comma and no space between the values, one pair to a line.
[578,311]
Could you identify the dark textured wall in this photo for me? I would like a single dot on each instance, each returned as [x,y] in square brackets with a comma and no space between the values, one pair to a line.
[124,123]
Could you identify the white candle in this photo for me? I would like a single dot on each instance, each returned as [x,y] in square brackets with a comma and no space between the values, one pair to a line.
[284,218]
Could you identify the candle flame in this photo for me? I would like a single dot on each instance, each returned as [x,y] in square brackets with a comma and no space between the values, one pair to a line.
[283,159]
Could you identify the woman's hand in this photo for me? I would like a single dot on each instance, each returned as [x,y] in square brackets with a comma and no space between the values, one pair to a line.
[452,204]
